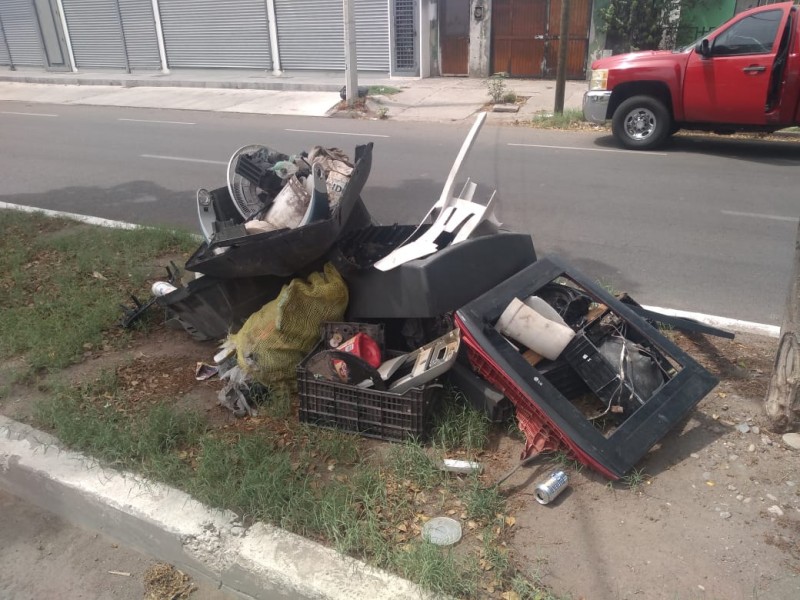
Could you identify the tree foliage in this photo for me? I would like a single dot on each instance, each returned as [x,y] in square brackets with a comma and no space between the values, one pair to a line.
[633,25]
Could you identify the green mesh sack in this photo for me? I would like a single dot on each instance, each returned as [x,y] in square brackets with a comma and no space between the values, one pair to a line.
[277,337]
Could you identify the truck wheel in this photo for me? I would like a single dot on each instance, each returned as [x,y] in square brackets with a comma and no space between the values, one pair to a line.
[641,123]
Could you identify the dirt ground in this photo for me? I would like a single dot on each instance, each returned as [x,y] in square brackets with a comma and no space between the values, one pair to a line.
[712,512]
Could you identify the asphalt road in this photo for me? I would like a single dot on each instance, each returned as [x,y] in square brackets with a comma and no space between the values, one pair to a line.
[706,226]
[43,557]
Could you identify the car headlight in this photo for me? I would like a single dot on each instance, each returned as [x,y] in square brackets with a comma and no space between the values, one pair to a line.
[599,79]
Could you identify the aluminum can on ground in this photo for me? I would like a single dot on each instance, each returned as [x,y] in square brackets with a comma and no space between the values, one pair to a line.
[548,490]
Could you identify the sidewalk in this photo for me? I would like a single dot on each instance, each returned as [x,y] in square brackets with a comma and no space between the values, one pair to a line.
[295,93]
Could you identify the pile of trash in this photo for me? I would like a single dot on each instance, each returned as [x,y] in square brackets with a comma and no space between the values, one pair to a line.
[304,289]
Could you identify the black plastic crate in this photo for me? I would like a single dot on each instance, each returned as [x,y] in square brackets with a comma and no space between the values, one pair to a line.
[368,412]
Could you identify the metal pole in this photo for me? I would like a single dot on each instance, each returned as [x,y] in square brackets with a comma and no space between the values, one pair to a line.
[350,61]
[8,48]
[561,70]
[122,31]
[66,35]
[162,49]
[273,38]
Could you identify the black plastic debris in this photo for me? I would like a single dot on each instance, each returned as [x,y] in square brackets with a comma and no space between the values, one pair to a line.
[482,396]
[552,421]
[209,308]
[286,251]
[428,287]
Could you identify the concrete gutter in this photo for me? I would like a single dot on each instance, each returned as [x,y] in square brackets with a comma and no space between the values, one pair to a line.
[259,561]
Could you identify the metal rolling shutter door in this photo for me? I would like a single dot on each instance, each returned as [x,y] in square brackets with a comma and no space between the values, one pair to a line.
[22,33]
[310,34]
[372,35]
[95,33]
[5,59]
[140,34]
[213,33]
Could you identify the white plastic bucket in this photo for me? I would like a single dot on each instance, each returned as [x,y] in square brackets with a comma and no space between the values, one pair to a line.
[528,327]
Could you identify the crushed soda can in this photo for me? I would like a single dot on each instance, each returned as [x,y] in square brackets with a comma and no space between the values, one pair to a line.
[548,490]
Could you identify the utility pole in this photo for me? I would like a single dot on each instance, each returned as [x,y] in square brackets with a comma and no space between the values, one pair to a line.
[561,69]
[350,61]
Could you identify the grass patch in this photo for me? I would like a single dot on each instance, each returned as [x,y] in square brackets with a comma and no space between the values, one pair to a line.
[410,461]
[439,570]
[460,427]
[569,119]
[61,289]
[565,461]
[87,418]
[635,479]
[383,90]
[370,511]
[483,503]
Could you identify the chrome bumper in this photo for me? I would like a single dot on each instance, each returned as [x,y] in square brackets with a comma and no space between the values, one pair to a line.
[595,106]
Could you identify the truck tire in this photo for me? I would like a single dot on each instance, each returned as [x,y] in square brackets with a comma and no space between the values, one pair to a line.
[641,123]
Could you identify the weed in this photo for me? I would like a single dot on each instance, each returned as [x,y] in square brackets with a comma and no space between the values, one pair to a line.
[635,479]
[514,431]
[277,401]
[331,444]
[527,590]
[495,556]
[510,97]
[383,112]
[410,461]
[460,426]
[565,460]
[566,120]
[150,444]
[497,87]
[482,503]
[383,90]
[348,514]
[439,570]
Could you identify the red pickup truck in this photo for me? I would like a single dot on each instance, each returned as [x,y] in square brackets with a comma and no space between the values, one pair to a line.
[744,76]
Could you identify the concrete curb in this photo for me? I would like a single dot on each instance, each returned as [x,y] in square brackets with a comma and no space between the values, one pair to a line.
[259,561]
[181,83]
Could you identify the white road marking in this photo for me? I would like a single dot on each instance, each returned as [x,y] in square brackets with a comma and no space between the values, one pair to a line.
[73,216]
[185,159]
[339,133]
[638,153]
[26,114]
[152,121]
[734,213]
[721,322]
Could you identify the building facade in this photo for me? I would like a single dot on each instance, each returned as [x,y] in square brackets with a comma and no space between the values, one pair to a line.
[420,38]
